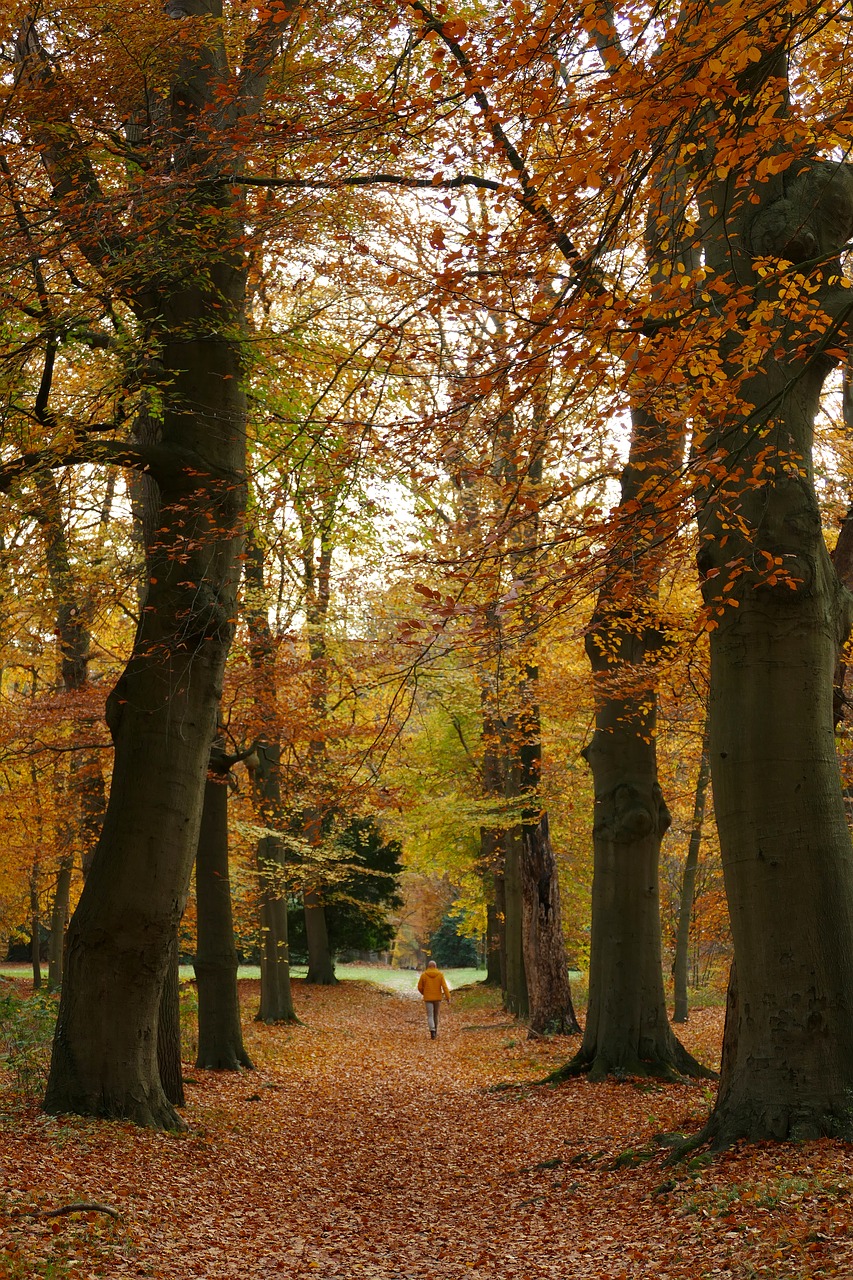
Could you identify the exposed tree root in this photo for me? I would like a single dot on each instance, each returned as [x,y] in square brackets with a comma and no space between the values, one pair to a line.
[675,1067]
[233,1060]
[78,1206]
[728,1125]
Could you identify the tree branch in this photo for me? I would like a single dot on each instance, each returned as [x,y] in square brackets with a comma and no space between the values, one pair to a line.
[75,184]
[169,465]
[372,179]
[529,198]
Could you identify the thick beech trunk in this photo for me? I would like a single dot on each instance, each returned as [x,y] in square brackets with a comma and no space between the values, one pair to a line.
[220,1033]
[627,1029]
[778,616]
[688,882]
[163,716]
[546,969]
[276,1004]
[785,843]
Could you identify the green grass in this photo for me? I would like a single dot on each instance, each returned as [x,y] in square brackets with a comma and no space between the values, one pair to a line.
[397,979]
[382,975]
[16,1267]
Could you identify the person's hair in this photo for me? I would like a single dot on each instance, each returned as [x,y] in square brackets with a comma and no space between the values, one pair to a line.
[431,964]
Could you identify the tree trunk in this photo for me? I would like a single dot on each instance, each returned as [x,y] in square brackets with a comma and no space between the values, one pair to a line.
[91,791]
[169,1030]
[59,921]
[321,968]
[688,882]
[783,835]
[493,944]
[627,1028]
[186,289]
[163,715]
[276,1004]
[220,1033]
[35,928]
[317,549]
[492,839]
[500,915]
[549,992]
[777,614]
[515,994]
[276,991]
[546,968]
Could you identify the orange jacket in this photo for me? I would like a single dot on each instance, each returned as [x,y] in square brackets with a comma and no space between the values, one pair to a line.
[432,986]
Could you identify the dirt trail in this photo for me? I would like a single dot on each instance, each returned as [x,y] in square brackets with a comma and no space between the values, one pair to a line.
[361,1148]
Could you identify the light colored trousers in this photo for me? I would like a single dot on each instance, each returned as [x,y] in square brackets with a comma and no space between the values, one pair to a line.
[432,1008]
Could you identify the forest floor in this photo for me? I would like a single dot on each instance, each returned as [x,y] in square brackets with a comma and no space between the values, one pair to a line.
[361,1150]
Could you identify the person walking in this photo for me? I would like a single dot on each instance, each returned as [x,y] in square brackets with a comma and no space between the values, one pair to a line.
[433,988]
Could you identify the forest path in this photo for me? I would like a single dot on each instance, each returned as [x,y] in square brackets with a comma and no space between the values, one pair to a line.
[360,1148]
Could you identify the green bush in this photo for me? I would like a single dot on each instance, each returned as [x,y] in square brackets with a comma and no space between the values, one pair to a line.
[26,1033]
[188,996]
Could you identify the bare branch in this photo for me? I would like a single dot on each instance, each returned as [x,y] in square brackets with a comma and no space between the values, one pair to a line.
[372,180]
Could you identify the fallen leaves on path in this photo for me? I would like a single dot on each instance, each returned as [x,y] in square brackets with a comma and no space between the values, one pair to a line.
[362,1150]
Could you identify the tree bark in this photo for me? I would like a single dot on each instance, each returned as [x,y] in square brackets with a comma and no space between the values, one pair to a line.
[492,841]
[317,563]
[321,968]
[515,995]
[35,927]
[188,295]
[220,1032]
[493,943]
[276,1003]
[169,1064]
[163,716]
[688,881]
[627,1029]
[549,992]
[59,921]
[778,615]
[500,915]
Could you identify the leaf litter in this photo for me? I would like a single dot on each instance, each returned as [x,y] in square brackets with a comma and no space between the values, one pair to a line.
[362,1150]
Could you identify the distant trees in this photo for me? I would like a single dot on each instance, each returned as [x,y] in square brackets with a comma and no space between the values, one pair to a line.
[361,888]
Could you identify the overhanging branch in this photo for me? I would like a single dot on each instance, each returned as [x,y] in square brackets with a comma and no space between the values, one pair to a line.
[171,467]
[373,180]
